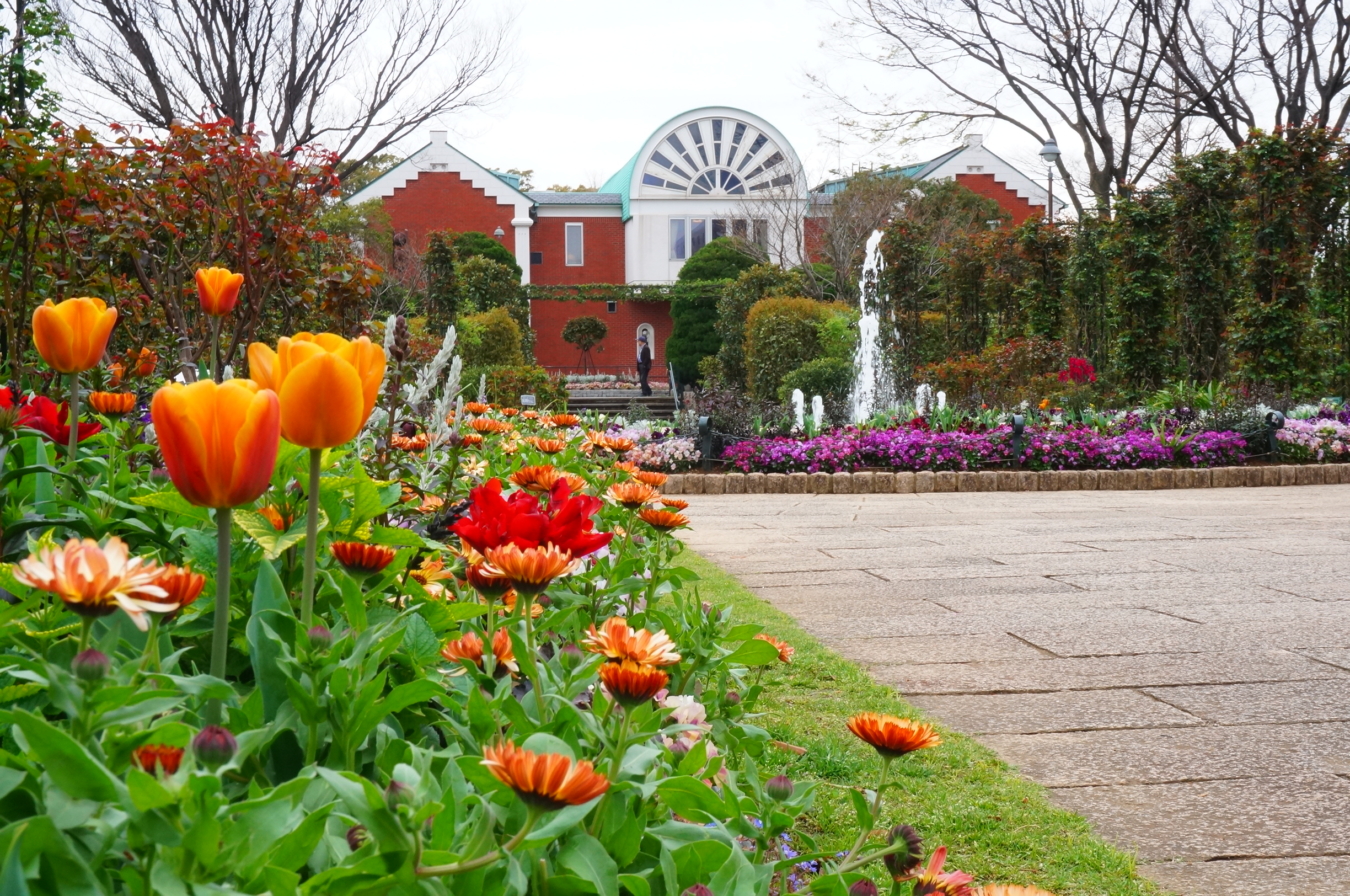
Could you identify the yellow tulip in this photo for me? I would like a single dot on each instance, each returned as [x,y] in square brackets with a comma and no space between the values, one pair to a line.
[327,385]
[72,336]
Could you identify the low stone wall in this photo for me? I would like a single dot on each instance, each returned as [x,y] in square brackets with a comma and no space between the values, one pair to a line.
[1001,480]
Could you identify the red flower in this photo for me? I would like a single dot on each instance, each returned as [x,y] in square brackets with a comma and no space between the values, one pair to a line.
[1079,371]
[494,520]
[46,416]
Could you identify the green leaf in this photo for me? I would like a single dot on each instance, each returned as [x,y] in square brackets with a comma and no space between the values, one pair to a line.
[743,632]
[146,792]
[692,799]
[173,502]
[635,884]
[272,542]
[295,848]
[753,653]
[399,538]
[268,633]
[353,599]
[584,855]
[420,641]
[13,882]
[10,778]
[79,774]
[737,877]
[269,593]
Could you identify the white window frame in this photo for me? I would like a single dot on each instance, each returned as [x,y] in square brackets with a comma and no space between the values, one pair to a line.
[581,245]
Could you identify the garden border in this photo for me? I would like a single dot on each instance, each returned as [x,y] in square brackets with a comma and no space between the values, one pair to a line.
[907,483]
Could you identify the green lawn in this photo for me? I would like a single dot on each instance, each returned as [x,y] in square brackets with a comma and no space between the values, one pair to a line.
[997,825]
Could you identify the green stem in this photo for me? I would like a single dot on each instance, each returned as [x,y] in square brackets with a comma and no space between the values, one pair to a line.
[876,809]
[526,604]
[86,625]
[311,538]
[151,657]
[489,655]
[215,348]
[312,741]
[73,442]
[488,859]
[220,637]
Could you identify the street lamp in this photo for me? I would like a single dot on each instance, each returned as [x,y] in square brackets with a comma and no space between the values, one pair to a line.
[1050,152]
[499,233]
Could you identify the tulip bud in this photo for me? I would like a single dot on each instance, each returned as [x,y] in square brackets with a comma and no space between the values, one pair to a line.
[357,837]
[571,656]
[778,788]
[398,794]
[901,864]
[733,698]
[320,638]
[91,665]
[863,887]
[214,746]
[697,890]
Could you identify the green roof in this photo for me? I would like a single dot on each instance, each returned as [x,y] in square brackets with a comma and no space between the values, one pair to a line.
[620,182]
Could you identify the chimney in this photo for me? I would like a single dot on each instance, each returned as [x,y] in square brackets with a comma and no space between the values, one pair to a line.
[438,138]
[974,140]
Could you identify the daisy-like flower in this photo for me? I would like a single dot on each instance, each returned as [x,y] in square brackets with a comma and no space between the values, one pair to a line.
[470,647]
[892,736]
[665,520]
[617,642]
[509,600]
[476,407]
[674,504]
[112,404]
[430,504]
[785,650]
[631,469]
[530,415]
[633,683]
[429,574]
[1011,890]
[162,756]
[475,468]
[530,569]
[485,581]
[933,881]
[487,425]
[410,443]
[633,494]
[95,581]
[650,477]
[181,586]
[510,412]
[470,440]
[280,521]
[537,479]
[547,446]
[618,444]
[545,781]
[360,557]
[564,419]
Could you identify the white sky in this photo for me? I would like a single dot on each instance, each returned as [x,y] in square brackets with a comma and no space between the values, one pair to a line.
[596,77]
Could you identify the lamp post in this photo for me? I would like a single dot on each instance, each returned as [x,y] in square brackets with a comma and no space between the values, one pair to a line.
[499,233]
[1050,152]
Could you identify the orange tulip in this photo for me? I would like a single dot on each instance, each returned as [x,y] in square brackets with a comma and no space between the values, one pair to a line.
[326,384]
[72,336]
[219,441]
[218,290]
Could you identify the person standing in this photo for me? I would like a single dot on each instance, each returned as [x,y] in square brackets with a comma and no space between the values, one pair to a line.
[644,363]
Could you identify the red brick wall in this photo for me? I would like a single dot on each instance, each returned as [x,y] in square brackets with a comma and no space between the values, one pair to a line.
[602,251]
[442,200]
[618,351]
[1015,205]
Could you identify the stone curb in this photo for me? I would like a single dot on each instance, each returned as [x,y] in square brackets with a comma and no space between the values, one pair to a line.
[905,483]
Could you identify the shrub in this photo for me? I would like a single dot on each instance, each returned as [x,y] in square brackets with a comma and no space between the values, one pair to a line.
[1001,375]
[694,336]
[473,244]
[782,335]
[490,339]
[830,378]
[722,259]
[505,385]
[739,296]
[584,331]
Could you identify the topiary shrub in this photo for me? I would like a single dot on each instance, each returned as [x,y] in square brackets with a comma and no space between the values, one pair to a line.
[780,336]
[738,297]
[722,259]
[490,339]
[830,378]
[585,331]
[471,244]
[694,335]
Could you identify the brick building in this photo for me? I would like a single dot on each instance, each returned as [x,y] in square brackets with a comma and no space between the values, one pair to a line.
[706,173]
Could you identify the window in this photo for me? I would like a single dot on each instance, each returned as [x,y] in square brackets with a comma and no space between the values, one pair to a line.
[611,306]
[697,231]
[677,239]
[575,256]
[536,258]
[698,234]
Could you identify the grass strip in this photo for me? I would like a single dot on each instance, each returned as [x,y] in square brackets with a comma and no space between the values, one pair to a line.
[997,825]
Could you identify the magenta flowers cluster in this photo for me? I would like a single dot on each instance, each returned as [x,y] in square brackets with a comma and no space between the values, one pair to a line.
[914,448]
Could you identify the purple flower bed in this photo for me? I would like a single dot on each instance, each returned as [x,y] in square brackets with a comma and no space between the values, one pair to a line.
[914,448]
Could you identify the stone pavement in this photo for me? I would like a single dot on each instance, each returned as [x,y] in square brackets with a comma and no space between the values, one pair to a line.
[1173,665]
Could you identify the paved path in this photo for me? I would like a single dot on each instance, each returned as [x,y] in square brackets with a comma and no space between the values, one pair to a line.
[1173,665]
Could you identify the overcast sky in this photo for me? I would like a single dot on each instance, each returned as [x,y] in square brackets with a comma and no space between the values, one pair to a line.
[596,77]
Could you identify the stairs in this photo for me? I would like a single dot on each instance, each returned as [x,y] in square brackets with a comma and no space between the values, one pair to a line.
[658,405]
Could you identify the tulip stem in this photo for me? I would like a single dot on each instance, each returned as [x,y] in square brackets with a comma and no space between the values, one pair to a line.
[73,442]
[220,638]
[311,537]
[215,348]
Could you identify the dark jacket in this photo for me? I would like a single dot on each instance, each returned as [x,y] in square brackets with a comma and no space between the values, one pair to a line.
[645,358]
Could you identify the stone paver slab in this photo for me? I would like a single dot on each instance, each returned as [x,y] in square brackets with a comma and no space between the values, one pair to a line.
[1060,711]
[1254,877]
[1266,703]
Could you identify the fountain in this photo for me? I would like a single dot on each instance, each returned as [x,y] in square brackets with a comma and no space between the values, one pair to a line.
[817,412]
[872,389]
[798,410]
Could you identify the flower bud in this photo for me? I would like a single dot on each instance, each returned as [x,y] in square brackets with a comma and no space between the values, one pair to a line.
[91,665]
[778,788]
[397,794]
[357,837]
[214,746]
[571,656]
[901,864]
[863,887]
[679,747]
[733,698]
[697,890]
[320,638]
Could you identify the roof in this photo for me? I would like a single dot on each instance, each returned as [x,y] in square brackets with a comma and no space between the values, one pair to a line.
[545,197]
[622,181]
[913,172]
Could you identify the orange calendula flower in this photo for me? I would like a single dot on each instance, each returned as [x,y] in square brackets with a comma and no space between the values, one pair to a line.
[530,569]
[632,683]
[618,444]
[548,446]
[162,756]
[633,494]
[665,520]
[181,587]
[470,440]
[218,290]
[537,479]
[95,581]
[785,650]
[564,419]
[509,600]
[281,522]
[327,385]
[112,404]
[530,415]
[410,443]
[219,441]
[488,425]
[616,641]
[650,477]
[476,407]
[510,412]
[483,579]
[892,736]
[675,504]
[360,557]
[628,467]
[431,571]
[470,647]
[547,781]
[72,336]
